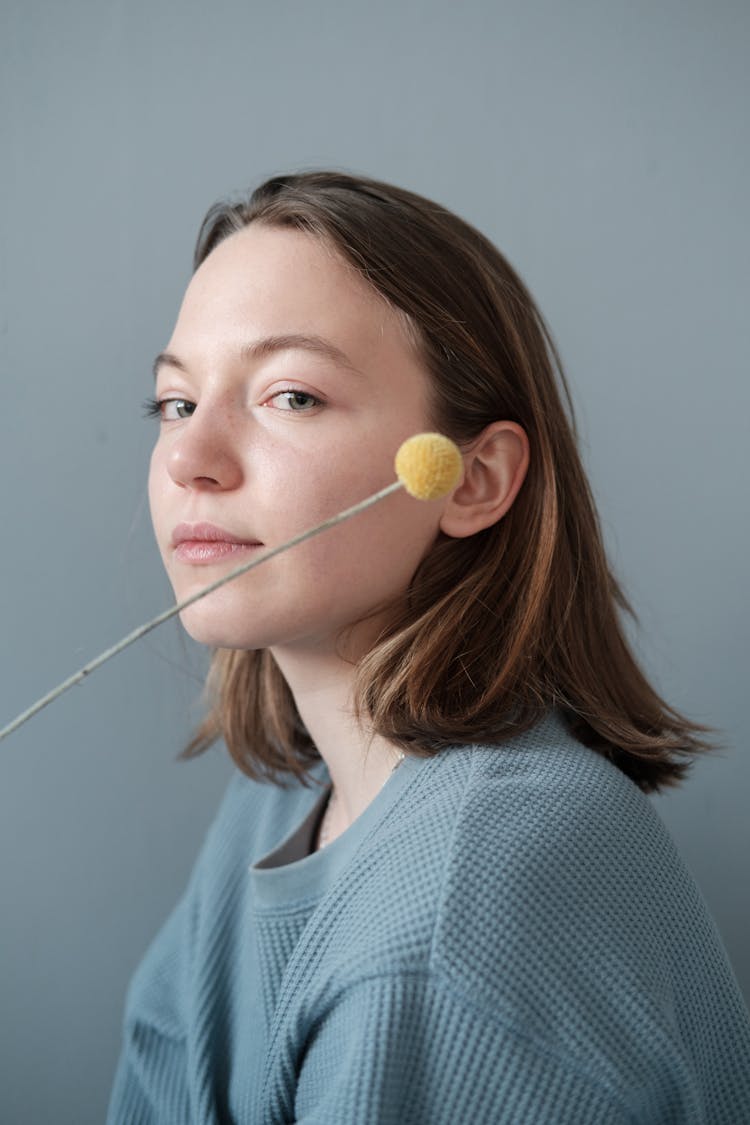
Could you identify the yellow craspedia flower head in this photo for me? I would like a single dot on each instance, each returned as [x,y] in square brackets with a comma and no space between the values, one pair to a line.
[429,466]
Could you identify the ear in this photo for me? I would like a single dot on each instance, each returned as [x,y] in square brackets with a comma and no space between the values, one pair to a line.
[495,466]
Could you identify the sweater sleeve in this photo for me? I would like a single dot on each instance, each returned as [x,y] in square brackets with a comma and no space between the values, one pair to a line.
[155,1079]
[152,1069]
[406,1049]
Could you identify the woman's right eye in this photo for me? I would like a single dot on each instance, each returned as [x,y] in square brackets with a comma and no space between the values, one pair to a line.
[169,409]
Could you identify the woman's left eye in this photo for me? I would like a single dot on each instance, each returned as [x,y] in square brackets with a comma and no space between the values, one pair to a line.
[300,401]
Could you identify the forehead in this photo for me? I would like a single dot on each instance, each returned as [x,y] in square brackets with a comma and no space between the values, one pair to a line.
[267,280]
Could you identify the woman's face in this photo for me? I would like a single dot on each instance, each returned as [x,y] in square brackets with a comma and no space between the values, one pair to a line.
[286,388]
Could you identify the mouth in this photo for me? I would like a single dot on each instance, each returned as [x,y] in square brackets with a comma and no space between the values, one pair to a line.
[204,543]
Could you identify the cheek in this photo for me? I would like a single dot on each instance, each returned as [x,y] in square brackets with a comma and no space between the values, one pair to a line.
[376,552]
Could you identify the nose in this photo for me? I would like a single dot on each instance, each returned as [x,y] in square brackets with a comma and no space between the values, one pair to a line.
[204,453]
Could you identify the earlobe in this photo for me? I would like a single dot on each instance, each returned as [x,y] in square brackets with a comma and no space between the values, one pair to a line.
[495,467]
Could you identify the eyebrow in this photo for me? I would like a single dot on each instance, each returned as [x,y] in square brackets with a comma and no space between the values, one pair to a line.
[268,345]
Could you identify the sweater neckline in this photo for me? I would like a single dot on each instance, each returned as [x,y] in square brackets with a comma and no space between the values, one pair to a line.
[278,884]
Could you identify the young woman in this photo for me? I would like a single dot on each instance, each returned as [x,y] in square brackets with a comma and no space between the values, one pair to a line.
[435,890]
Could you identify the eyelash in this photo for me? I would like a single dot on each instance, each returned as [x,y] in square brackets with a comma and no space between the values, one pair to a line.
[154,407]
[151,408]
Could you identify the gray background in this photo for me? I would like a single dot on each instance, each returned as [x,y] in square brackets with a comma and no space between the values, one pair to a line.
[602,145]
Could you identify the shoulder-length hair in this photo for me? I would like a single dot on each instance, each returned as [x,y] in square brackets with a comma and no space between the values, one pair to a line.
[498,627]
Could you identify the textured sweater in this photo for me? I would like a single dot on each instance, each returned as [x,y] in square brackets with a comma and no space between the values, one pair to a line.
[506,934]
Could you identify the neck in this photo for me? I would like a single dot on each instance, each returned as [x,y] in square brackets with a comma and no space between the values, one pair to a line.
[358,761]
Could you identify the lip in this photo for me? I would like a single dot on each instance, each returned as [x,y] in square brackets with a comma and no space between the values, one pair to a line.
[206,543]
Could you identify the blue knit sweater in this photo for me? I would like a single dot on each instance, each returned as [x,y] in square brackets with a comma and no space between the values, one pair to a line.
[506,934]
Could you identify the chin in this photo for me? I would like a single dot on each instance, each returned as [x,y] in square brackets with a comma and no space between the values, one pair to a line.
[209,628]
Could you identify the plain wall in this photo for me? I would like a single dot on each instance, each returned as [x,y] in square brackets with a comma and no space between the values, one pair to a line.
[602,145]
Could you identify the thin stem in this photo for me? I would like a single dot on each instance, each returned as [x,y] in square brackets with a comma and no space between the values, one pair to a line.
[141,631]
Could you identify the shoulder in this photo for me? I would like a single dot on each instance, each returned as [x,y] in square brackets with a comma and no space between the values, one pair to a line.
[488,842]
[542,813]
[535,878]
[498,823]
[554,849]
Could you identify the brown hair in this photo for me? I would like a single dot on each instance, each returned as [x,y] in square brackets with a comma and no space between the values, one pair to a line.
[498,627]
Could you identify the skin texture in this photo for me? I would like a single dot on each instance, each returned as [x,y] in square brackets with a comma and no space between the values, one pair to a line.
[267,445]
